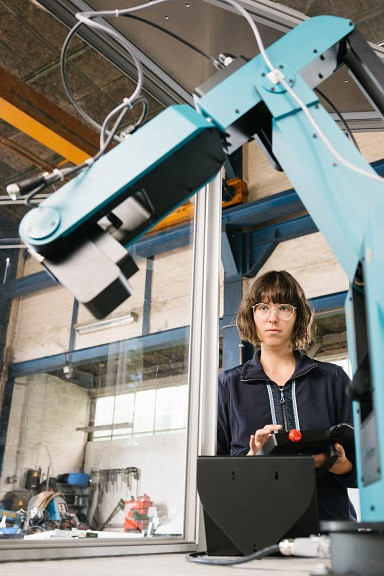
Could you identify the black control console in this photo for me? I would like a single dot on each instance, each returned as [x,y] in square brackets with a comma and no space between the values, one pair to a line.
[312,442]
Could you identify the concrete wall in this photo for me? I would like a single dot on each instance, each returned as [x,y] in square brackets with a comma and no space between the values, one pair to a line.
[308,258]
[45,413]
[42,320]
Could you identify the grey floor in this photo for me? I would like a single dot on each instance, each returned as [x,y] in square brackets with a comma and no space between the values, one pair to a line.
[164,565]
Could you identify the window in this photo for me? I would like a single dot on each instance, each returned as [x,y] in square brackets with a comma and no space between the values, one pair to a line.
[145,412]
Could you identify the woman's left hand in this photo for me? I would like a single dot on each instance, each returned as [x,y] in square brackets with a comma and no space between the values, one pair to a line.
[342,464]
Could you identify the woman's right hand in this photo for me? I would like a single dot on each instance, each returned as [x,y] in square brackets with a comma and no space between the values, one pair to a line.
[259,438]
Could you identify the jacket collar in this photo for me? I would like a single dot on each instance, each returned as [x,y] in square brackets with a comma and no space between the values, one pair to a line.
[253,370]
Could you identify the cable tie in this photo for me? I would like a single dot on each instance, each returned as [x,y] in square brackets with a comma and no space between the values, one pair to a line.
[117,12]
[89,162]
[275,76]
[225,59]
[125,135]
[59,173]
[127,102]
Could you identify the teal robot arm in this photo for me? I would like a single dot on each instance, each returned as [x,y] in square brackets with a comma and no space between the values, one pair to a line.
[82,231]
[340,190]
[89,222]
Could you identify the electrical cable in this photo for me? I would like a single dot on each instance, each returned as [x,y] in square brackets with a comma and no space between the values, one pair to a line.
[324,139]
[123,108]
[31,195]
[340,116]
[87,18]
[65,81]
[276,77]
[202,558]
[310,547]
[175,36]
[75,103]
[128,47]
[32,186]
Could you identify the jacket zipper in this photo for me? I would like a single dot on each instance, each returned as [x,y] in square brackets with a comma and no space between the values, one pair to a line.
[284,409]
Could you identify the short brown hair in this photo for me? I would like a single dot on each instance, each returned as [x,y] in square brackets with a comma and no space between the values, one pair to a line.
[279,287]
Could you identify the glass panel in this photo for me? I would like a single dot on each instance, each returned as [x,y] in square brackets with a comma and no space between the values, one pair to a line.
[171,408]
[98,440]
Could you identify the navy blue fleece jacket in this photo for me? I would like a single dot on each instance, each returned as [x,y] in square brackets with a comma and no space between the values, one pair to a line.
[315,397]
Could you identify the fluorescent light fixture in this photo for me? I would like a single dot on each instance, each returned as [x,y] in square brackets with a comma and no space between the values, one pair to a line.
[106,324]
[101,427]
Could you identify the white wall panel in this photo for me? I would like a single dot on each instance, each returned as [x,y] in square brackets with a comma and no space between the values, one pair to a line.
[310,260]
[43,323]
[171,290]
[371,145]
[263,180]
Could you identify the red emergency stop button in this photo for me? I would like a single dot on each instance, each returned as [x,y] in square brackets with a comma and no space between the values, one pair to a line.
[295,435]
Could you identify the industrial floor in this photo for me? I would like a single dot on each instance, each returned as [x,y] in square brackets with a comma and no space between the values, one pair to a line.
[164,565]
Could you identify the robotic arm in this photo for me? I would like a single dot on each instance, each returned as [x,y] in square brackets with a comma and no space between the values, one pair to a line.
[84,227]
[338,187]
[88,222]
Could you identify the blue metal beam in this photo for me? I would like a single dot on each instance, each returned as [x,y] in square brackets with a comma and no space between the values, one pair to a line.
[26,285]
[281,205]
[263,242]
[232,253]
[329,302]
[160,242]
[231,352]
[150,342]
[163,340]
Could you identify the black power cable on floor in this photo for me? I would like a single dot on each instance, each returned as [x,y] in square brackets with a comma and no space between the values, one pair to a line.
[203,558]
[311,547]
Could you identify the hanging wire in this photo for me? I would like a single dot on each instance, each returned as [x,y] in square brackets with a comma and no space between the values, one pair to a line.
[339,115]
[87,18]
[175,36]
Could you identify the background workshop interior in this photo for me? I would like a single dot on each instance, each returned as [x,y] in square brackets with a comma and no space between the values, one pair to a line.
[102,419]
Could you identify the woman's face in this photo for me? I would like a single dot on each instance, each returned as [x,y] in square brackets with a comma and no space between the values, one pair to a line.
[273,331]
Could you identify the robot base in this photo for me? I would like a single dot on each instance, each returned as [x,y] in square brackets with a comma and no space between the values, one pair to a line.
[357,549]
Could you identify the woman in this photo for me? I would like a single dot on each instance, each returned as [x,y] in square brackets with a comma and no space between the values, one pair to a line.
[282,389]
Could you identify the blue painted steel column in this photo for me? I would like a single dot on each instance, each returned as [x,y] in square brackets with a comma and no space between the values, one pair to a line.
[147,295]
[4,415]
[231,351]
[8,267]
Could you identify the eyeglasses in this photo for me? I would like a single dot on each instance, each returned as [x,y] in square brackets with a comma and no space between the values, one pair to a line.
[284,311]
